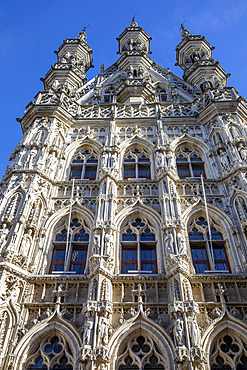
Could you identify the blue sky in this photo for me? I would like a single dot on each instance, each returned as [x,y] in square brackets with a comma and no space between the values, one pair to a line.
[30,31]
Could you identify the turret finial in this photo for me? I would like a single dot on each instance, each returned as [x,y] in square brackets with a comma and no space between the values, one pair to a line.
[82,35]
[133,23]
[184,31]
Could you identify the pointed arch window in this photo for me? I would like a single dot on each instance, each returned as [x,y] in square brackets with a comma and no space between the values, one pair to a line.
[137,164]
[50,354]
[141,352]
[84,165]
[76,254]
[139,247]
[189,163]
[228,352]
[200,247]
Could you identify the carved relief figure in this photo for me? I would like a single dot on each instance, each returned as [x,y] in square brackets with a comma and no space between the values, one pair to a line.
[181,242]
[87,337]
[169,243]
[194,331]
[179,331]
[108,243]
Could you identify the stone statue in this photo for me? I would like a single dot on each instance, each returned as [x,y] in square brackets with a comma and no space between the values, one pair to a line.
[194,331]
[179,331]
[159,160]
[181,242]
[108,243]
[31,157]
[26,243]
[104,160]
[103,330]
[170,160]
[169,243]
[242,152]
[96,242]
[51,163]
[88,331]
[224,160]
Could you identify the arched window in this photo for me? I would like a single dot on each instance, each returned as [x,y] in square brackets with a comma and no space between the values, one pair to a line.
[50,354]
[84,165]
[108,96]
[189,162]
[162,96]
[228,352]
[138,247]
[200,245]
[141,352]
[136,164]
[71,255]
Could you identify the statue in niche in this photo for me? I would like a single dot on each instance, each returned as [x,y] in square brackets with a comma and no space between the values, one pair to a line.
[170,160]
[242,152]
[96,242]
[169,243]
[194,331]
[31,157]
[224,160]
[159,160]
[113,160]
[104,160]
[179,331]
[103,330]
[181,242]
[51,164]
[108,243]
[93,293]
[26,243]
[87,337]
[3,236]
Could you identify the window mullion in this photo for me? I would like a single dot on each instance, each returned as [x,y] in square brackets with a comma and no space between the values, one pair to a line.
[83,170]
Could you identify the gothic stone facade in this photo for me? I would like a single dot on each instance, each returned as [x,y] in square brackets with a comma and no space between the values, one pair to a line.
[115,252]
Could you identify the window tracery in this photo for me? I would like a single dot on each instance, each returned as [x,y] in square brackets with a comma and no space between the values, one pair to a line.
[189,162]
[229,352]
[84,165]
[139,246]
[136,164]
[141,352]
[53,353]
[74,258]
[199,238]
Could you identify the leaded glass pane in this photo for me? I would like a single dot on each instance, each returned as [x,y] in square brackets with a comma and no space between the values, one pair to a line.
[76,172]
[90,172]
[129,267]
[148,267]
[199,254]
[221,266]
[216,235]
[148,254]
[129,254]
[195,235]
[129,172]
[147,235]
[138,223]
[81,236]
[58,267]
[92,159]
[78,160]
[129,236]
[59,255]
[197,170]
[62,236]
[143,171]
[143,158]
[195,158]
[183,171]
[79,255]
[219,253]
[77,268]
[129,159]
[201,267]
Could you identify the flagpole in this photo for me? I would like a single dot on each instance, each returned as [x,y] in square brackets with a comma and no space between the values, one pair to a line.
[209,229]
[67,241]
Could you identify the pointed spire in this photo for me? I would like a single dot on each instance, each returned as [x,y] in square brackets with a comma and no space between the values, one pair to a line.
[133,23]
[184,31]
[82,35]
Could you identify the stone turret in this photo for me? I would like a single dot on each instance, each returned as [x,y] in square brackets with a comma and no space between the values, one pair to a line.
[74,58]
[194,56]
